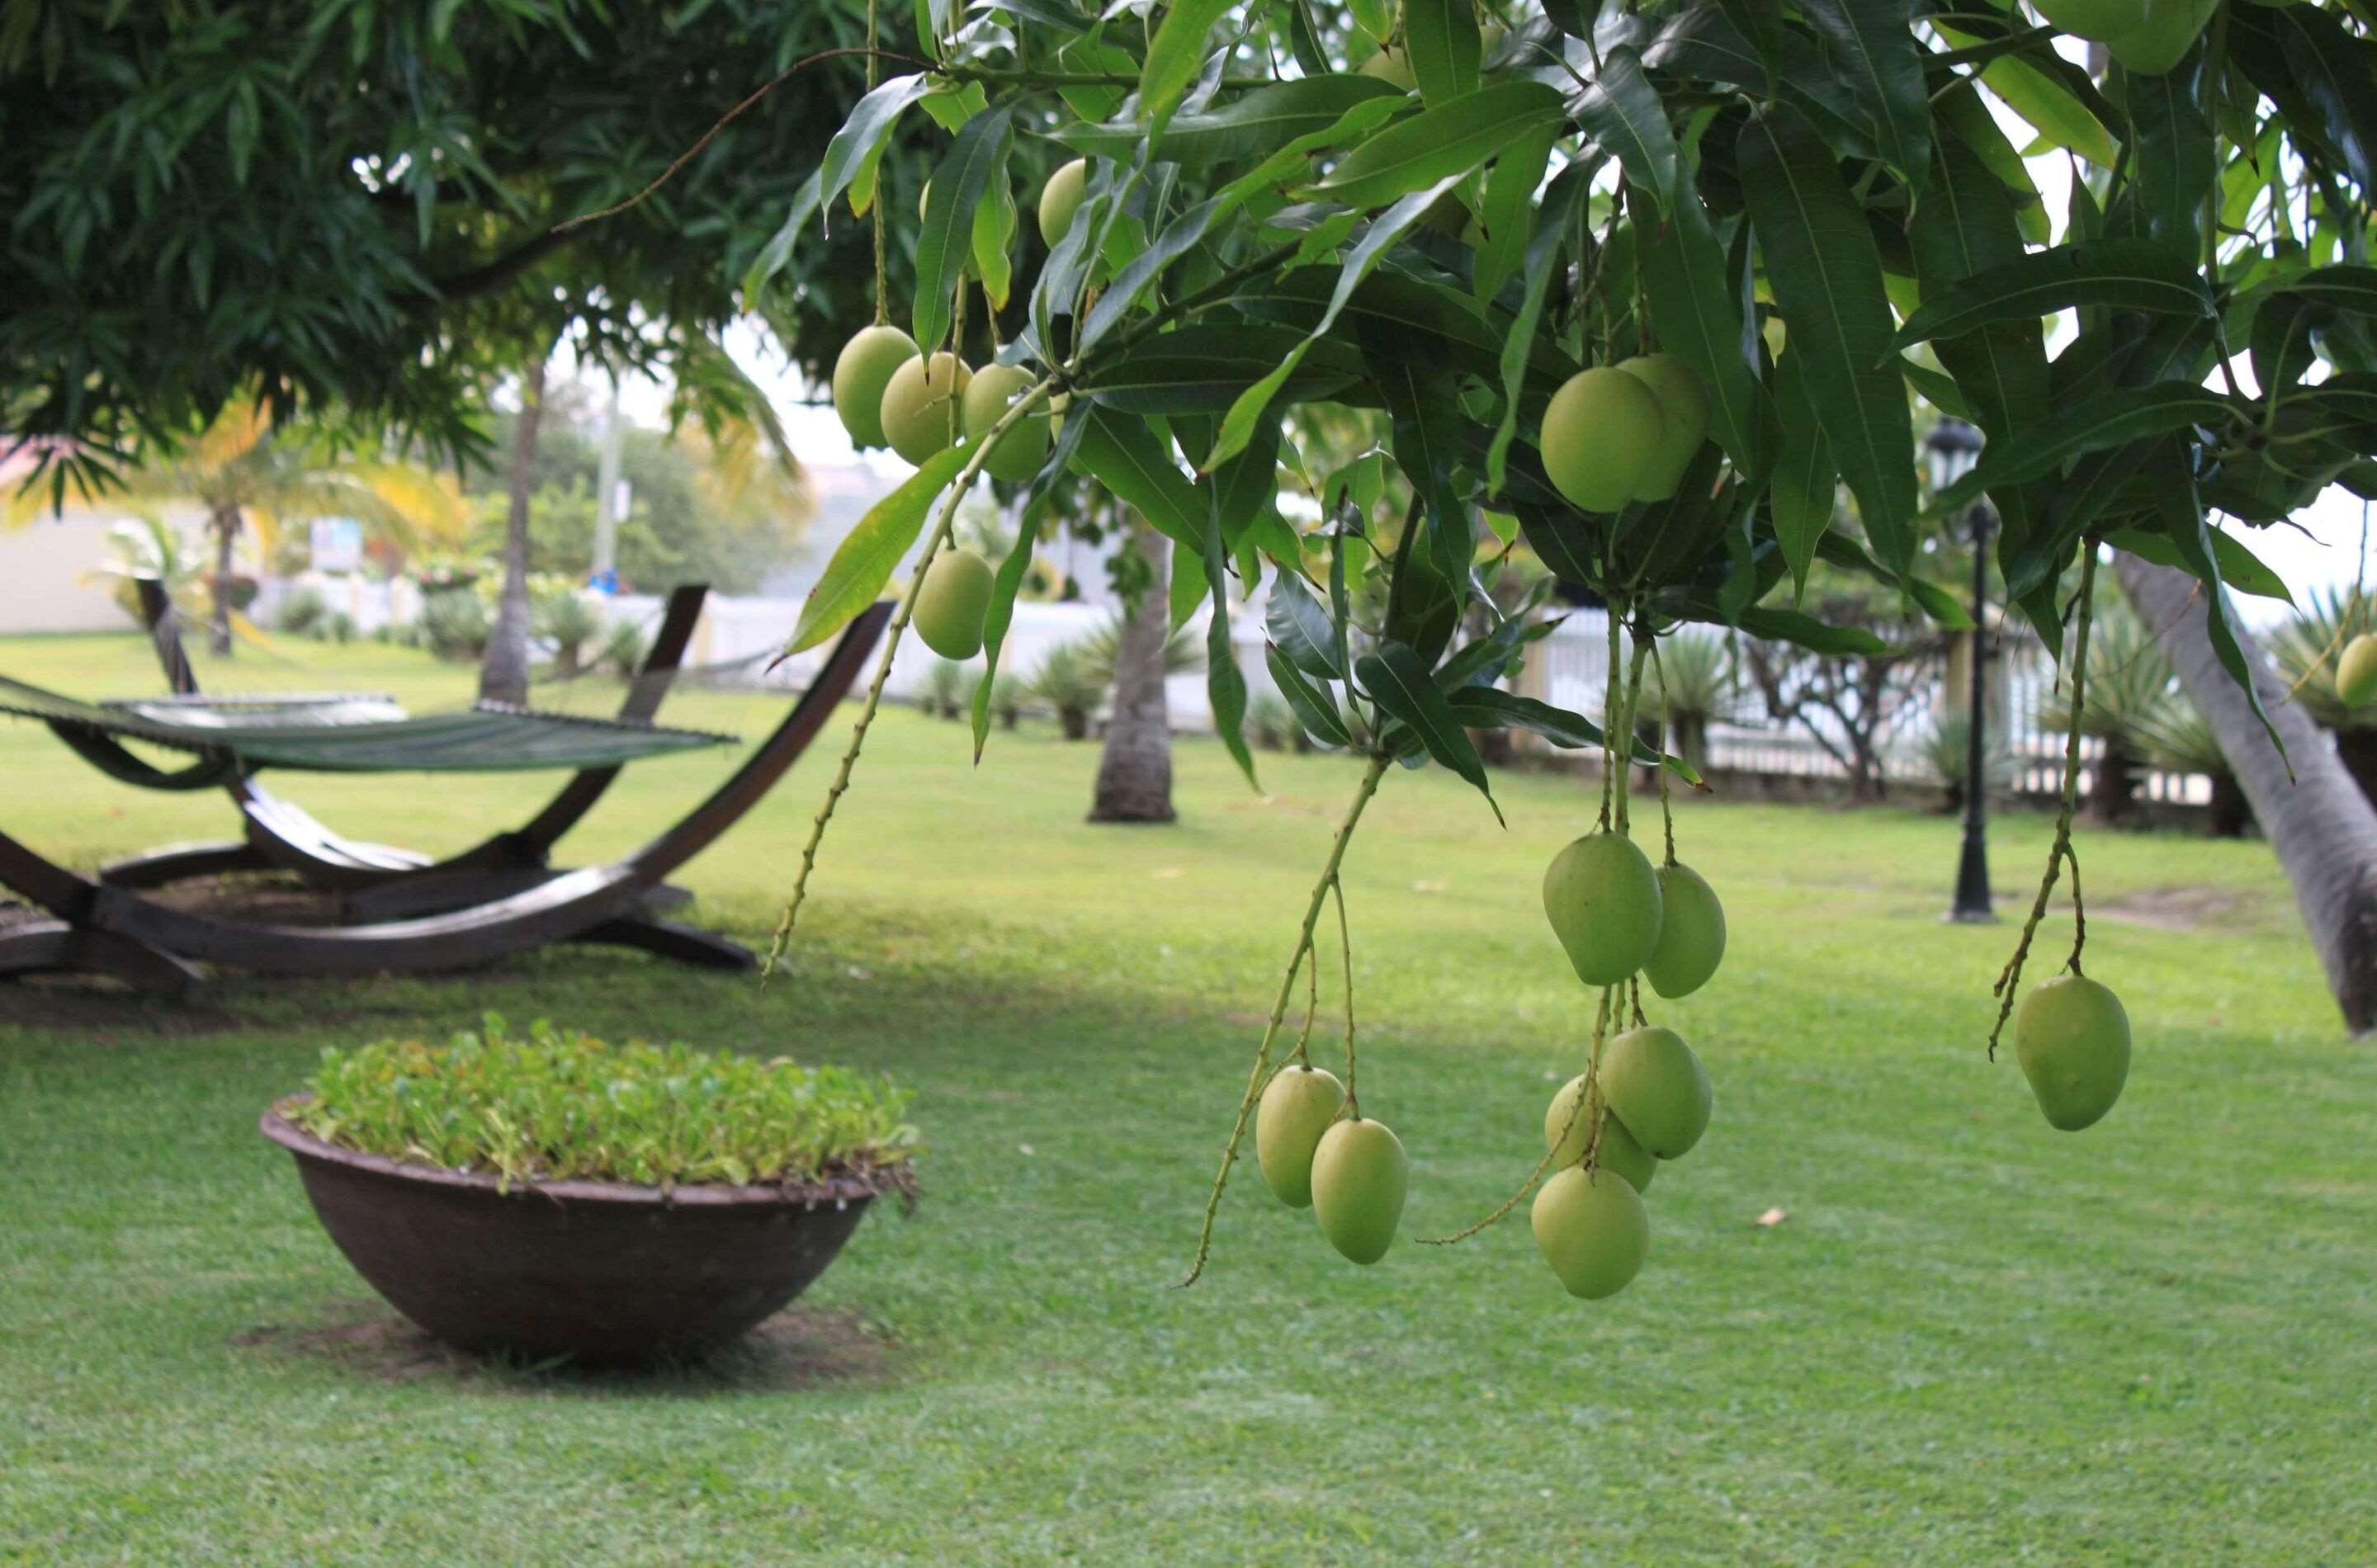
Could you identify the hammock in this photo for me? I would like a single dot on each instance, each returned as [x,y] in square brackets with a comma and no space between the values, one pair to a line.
[336,732]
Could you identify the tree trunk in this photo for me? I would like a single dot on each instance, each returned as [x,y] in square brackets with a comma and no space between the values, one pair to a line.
[2113,795]
[1135,772]
[2323,828]
[503,673]
[2358,748]
[224,524]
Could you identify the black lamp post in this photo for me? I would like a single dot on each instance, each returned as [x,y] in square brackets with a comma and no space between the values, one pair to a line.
[1952,448]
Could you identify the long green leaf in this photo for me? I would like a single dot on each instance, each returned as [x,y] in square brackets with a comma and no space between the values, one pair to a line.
[946,237]
[1440,36]
[1804,477]
[1508,211]
[1299,626]
[1424,412]
[864,563]
[1490,708]
[1238,424]
[1699,320]
[1176,55]
[1008,582]
[1398,682]
[2111,419]
[1447,140]
[1826,274]
[1543,251]
[1225,684]
[1125,458]
[2127,274]
[1203,367]
[2050,106]
[1623,111]
[779,248]
[1873,46]
[1315,708]
[2184,522]
[868,127]
[1256,125]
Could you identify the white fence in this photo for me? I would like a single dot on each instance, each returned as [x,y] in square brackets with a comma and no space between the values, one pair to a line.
[737,637]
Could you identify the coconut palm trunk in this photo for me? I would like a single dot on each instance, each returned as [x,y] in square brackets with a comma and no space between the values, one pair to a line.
[1135,772]
[2321,826]
[503,673]
[224,524]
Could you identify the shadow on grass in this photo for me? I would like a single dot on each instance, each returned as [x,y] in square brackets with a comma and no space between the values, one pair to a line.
[799,1349]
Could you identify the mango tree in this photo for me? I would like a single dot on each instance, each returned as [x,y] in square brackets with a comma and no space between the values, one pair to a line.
[1640,290]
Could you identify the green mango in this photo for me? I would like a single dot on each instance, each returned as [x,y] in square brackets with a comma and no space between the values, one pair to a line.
[2073,1039]
[1360,1177]
[1691,934]
[1592,1229]
[918,401]
[1683,421]
[1024,446]
[951,604]
[1060,198]
[1619,1151]
[1658,1088]
[2356,671]
[1602,898]
[1601,431]
[1297,1107]
[861,371]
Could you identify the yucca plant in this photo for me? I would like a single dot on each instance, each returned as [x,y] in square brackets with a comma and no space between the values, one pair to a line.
[624,648]
[1069,682]
[1696,686]
[1944,749]
[1184,652]
[2178,736]
[945,687]
[2129,682]
[1270,722]
[564,615]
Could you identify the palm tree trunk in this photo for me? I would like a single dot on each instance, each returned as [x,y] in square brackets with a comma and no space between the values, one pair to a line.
[1135,772]
[2320,825]
[503,673]
[224,524]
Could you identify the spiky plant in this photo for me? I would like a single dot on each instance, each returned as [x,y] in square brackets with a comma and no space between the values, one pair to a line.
[1696,687]
[1067,681]
[1944,749]
[2178,736]
[945,688]
[1184,652]
[564,615]
[2306,646]
[2129,682]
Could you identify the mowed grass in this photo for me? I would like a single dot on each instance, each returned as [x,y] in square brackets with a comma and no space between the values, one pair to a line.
[1971,1340]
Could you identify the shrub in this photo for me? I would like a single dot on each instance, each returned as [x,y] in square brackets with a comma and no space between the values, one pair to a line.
[454,625]
[1944,749]
[624,648]
[301,611]
[945,688]
[559,1104]
[563,614]
[1069,682]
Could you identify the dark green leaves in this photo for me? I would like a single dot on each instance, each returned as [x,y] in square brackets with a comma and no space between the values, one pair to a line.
[1871,45]
[1398,682]
[2129,274]
[868,127]
[864,563]
[1623,111]
[1805,476]
[1824,270]
[1314,707]
[1700,321]
[1441,37]
[946,238]
[1544,250]
[1126,460]
[1452,139]
[1176,55]
[2113,419]
[1300,629]
[1254,126]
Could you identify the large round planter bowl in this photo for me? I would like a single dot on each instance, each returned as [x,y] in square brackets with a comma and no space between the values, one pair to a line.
[595,1270]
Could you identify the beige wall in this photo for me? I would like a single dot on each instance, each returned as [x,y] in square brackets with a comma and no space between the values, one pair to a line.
[48,572]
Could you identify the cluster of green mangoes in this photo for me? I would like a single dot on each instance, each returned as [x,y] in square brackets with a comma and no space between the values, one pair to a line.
[1623,433]
[2149,37]
[1349,1171]
[1618,918]
[889,393]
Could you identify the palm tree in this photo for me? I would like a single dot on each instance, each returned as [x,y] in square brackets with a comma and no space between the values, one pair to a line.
[2320,824]
[2178,736]
[251,480]
[147,547]
[1135,770]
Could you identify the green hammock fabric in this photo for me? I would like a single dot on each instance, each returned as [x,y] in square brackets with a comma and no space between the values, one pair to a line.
[338,734]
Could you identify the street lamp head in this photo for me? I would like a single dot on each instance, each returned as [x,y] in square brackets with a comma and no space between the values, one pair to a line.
[1951,449]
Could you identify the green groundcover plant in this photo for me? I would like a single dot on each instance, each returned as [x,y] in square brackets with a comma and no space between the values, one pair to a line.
[558,1103]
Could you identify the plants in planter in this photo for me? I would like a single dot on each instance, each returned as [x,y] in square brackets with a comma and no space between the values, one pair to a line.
[553,1195]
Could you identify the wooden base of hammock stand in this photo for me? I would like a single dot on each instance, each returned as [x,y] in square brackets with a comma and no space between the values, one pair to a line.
[117,930]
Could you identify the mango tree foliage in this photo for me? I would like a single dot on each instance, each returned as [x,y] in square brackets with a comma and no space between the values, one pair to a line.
[1439,214]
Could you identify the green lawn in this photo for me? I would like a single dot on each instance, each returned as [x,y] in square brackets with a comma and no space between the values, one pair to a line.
[1972,1340]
